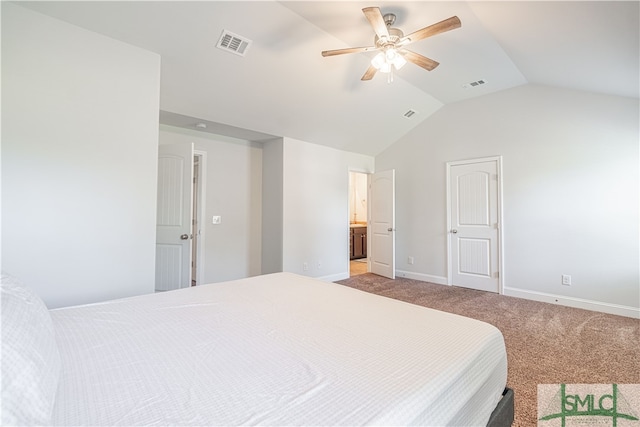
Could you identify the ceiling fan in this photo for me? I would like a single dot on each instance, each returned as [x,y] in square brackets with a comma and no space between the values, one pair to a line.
[391,43]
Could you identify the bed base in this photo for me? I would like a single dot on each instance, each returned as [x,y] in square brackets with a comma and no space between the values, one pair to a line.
[502,415]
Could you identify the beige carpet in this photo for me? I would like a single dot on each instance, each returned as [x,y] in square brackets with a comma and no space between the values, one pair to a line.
[546,343]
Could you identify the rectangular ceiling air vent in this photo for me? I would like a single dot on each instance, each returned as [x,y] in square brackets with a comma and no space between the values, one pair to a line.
[409,114]
[474,84]
[233,43]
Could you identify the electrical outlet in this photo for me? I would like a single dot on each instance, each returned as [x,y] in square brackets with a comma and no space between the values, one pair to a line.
[410,260]
[566,280]
[305,266]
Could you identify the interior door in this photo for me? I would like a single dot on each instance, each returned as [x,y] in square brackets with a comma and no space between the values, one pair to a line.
[474,224]
[173,220]
[382,224]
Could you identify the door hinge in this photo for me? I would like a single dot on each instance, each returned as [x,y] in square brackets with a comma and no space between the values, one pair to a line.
[496,275]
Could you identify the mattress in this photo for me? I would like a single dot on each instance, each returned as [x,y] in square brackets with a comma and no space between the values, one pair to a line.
[278,349]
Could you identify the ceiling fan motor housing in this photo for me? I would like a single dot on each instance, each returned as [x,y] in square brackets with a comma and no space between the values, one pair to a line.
[395,35]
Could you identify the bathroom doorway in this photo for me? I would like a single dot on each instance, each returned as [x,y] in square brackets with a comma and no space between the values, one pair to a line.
[358,223]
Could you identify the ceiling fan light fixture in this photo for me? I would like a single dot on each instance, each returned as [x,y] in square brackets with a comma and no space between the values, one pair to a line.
[383,61]
[390,54]
[379,61]
[399,61]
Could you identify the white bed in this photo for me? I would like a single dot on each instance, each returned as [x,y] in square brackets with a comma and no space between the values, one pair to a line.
[278,349]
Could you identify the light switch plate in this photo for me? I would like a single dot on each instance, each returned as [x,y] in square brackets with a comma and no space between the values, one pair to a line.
[217,219]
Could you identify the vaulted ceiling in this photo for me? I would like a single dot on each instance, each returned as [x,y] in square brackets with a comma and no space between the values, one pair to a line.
[282,86]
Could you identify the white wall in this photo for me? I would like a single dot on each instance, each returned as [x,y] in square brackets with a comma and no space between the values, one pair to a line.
[570,171]
[283,203]
[234,192]
[79,160]
[272,205]
[316,208]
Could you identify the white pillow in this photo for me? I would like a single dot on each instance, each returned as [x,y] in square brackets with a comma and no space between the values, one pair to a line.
[30,357]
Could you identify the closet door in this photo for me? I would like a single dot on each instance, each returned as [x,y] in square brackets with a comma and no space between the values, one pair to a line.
[474,224]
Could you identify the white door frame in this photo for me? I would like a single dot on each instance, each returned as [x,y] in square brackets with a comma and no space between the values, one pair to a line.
[202,183]
[501,263]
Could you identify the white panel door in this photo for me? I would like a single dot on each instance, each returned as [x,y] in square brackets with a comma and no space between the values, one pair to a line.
[173,221]
[382,224]
[474,225]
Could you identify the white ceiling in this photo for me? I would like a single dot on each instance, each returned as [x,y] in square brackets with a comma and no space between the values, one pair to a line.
[284,87]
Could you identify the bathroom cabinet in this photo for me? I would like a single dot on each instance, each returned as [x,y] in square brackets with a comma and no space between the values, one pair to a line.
[358,242]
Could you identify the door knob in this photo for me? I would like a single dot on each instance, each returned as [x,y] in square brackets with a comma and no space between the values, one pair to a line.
[184,237]
[454,231]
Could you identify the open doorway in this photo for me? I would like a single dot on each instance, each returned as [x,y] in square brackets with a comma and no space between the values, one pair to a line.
[358,223]
[197,243]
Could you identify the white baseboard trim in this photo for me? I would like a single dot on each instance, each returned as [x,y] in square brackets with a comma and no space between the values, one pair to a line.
[334,277]
[422,277]
[603,307]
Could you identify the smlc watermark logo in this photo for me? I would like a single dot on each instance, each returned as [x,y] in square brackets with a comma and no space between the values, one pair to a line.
[566,405]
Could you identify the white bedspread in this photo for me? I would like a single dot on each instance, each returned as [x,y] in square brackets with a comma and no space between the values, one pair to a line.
[279,349]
